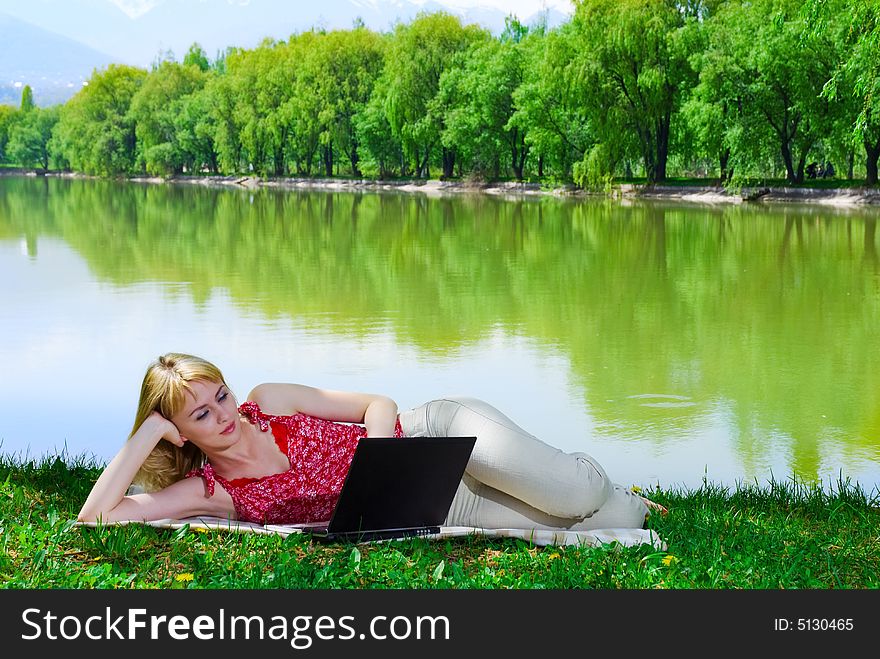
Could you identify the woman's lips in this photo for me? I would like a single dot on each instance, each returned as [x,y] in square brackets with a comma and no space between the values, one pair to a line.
[228,429]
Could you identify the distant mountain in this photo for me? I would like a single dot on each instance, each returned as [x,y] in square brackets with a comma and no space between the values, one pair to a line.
[137,31]
[54,66]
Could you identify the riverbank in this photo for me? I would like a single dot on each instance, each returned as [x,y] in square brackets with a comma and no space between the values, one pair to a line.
[704,194]
[782,535]
[687,192]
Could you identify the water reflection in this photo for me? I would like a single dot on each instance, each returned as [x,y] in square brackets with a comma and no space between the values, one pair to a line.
[669,339]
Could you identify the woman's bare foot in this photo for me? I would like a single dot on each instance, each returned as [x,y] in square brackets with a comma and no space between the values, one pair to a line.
[653,505]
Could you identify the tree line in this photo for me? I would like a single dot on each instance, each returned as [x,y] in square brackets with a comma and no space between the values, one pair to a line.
[725,89]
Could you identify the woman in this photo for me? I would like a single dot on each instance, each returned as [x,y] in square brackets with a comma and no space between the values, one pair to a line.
[281,457]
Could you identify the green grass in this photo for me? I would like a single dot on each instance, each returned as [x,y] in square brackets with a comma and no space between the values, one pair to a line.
[779,535]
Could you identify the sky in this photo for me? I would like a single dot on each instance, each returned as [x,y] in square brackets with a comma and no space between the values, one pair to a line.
[135,31]
[519,7]
[134,8]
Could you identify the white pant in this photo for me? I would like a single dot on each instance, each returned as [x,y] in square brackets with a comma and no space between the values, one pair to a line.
[514,480]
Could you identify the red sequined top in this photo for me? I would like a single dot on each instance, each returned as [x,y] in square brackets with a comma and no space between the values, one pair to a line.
[320,453]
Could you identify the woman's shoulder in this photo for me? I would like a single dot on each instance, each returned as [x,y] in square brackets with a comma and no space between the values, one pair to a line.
[260,393]
[277,398]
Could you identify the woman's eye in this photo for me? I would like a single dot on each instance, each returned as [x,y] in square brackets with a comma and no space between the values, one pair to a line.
[201,416]
[223,396]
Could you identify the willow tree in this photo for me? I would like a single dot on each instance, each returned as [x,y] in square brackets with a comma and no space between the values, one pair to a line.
[866,61]
[267,108]
[713,104]
[380,153]
[95,133]
[219,98]
[418,54]
[264,82]
[548,104]
[634,68]
[301,111]
[478,97]
[345,65]
[29,137]
[8,114]
[855,26]
[775,72]
[157,108]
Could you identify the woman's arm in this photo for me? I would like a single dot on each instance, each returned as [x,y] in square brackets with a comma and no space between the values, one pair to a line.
[107,501]
[185,498]
[378,413]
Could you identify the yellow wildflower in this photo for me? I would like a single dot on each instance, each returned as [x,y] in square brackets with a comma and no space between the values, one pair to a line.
[186,576]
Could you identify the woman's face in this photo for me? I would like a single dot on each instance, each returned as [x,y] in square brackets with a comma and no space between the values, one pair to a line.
[209,415]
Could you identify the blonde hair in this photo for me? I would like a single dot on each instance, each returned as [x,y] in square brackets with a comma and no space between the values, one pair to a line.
[164,390]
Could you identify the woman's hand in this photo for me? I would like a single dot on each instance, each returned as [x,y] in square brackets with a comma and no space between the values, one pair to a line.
[159,427]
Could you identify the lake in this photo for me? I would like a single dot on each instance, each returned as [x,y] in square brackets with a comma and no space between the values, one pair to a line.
[672,342]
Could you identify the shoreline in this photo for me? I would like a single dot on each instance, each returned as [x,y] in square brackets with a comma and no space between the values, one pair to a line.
[701,194]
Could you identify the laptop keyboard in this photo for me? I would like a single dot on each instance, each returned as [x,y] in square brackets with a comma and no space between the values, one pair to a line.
[366,536]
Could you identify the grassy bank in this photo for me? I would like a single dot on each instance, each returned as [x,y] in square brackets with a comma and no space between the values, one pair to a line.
[778,535]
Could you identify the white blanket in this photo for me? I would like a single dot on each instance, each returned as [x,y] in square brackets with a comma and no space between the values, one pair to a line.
[539,537]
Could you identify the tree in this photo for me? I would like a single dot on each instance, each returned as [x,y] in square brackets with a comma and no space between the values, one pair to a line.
[418,55]
[95,133]
[302,110]
[156,110]
[252,126]
[349,63]
[29,137]
[222,92]
[856,82]
[195,128]
[197,57]
[769,73]
[634,64]
[548,104]
[379,151]
[867,89]
[714,103]
[7,115]
[478,97]
[27,99]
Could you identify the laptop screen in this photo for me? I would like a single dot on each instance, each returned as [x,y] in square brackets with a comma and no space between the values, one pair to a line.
[400,483]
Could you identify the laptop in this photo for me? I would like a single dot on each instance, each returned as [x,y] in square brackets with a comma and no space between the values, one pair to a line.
[396,488]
